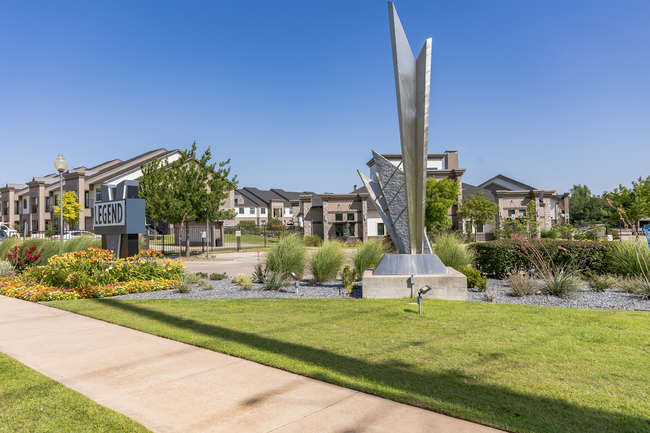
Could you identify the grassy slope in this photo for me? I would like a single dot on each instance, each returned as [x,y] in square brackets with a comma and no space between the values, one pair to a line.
[31,402]
[528,369]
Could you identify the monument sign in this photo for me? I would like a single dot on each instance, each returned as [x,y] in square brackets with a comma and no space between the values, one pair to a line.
[119,218]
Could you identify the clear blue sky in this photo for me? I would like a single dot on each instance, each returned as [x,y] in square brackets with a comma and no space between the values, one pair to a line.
[552,93]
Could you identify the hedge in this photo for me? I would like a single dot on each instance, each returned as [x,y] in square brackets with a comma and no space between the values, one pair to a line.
[500,258]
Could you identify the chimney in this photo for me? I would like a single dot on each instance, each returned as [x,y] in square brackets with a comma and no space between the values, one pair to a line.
[451,159]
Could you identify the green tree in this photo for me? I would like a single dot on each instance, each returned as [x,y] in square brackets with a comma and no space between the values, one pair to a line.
[477,209]
[177,192]
[586,208]
[635,201]
[441,196]
[71,209]
[509,226]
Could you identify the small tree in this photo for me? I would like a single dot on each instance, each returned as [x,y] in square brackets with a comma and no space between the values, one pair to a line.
[478,209]
[177,192]
[586,208]
[71,209]
[635,201]
[441,196]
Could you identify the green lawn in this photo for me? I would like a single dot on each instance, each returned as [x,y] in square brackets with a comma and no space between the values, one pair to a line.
[31,402]
[520,368]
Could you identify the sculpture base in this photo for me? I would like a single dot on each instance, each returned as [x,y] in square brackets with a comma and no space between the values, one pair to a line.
[451,286]
[411,264]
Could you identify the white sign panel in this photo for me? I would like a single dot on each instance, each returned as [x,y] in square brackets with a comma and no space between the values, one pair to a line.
[110,213]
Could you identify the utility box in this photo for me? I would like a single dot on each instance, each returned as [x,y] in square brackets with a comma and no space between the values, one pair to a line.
[119,218]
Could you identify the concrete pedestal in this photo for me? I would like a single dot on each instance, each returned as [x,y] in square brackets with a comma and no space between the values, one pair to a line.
[451,286]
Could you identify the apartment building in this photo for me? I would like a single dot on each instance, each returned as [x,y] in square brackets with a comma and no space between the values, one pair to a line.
[31,205]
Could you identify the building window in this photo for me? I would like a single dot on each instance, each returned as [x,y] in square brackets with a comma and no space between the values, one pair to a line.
[372,176]
[290,211]
[522,213]
[241,211]
[87,199]
[350,217]
[263,211]
[380,229]
[47,205]
[479,228]
[16,206]
[339,230]
[338,217]
[511,214]
[252,211]
[263,223]
[277,213]
[98,194]
[24,203]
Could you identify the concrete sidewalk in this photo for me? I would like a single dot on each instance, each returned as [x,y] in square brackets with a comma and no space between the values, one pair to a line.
[173,387]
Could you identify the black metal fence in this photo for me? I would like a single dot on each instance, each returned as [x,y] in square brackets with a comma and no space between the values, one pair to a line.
[233,239]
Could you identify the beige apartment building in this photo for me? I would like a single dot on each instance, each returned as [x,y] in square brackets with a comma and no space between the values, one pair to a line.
[352,215]
[30,205]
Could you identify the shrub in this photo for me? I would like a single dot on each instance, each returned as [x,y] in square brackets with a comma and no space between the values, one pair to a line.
[247,225]
[450,249]
[216,277]
[521,285]
[274,222]
[326,263]
[186,281]
[474,278]
[6,269]
[245,281]
[288,255]
[500,258]
[274,280]
[313,241]
[348,279]
[549,234]
[643,288]
[628,284]
[368,255]
[22,256]
[205,284]
[201,274]
[599,282]
[623,258]
[561,283]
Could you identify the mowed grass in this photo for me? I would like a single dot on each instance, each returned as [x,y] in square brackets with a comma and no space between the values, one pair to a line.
[31,402]
[519,368]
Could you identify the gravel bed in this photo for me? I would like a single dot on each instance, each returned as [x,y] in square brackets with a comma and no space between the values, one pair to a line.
[583,298]
[224,289]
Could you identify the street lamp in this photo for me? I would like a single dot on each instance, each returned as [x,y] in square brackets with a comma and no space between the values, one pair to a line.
[60,164]
[207,224]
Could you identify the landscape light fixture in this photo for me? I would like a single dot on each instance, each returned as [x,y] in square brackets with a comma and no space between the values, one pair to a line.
[421,292]
[297,283]
[60,164]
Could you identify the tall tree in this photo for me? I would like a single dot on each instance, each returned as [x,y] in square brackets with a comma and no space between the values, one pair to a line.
[177,192]
[71,209]
[477,209]
[635,201]
[531,216]
[586,208]
[441,196]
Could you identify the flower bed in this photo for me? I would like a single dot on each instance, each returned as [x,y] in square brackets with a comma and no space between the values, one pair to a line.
[93,273]
[35,292]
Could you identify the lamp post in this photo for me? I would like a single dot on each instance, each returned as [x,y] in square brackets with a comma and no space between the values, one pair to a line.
[60,164]
[207,224]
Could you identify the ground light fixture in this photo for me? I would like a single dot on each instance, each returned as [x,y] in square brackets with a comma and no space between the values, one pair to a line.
[297,283]
[60,164]
[421,292]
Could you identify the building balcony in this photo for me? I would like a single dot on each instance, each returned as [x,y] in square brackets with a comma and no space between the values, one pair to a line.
[35,208]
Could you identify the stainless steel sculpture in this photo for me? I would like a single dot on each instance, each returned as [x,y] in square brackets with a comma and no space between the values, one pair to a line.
[412,84]
[399,192]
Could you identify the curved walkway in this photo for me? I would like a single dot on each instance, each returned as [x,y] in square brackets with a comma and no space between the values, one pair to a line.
[169,386]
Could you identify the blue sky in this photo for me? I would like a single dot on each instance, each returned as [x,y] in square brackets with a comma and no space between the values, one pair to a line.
[296,93]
